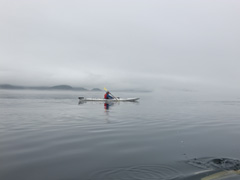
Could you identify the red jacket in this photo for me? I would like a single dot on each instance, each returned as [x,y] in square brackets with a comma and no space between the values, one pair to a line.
[105,96]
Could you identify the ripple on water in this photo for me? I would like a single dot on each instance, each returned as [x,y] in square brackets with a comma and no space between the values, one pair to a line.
[143,172]
[214,169]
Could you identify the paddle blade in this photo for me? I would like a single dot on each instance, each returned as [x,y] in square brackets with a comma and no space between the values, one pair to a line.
[105,89]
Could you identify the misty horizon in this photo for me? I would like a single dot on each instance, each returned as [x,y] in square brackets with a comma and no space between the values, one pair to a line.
[121,44]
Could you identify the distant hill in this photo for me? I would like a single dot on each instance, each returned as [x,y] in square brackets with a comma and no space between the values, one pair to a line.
[96,89]
[80,89]
[58,87]
[62,87]
[9,86]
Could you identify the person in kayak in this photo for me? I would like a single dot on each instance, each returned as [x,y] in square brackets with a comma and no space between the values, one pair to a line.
[107,95]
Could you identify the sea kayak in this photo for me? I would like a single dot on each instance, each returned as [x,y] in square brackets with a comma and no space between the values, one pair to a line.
[108,100]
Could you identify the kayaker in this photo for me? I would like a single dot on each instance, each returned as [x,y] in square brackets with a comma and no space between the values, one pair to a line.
[107,95]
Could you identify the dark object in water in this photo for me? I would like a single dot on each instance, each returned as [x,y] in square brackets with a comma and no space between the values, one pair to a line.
[216,163]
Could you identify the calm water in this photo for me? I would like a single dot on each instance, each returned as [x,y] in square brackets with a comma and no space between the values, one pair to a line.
[48,135]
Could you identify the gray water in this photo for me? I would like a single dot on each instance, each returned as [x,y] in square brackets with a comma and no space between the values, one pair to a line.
[48,135]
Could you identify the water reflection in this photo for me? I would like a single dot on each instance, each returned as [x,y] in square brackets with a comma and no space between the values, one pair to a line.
[108,105]
[81,102]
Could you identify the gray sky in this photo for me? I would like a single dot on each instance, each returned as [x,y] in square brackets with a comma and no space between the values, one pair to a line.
[120,43]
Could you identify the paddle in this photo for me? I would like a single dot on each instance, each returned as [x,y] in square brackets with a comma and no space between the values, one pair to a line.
[111,93]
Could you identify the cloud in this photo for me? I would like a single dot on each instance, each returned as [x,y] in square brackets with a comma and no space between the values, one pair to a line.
[120,43]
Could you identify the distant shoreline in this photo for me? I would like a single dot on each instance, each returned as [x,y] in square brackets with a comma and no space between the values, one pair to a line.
[62,88]
[58,87]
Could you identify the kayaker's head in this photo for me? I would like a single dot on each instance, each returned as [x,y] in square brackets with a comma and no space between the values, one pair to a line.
[107,92]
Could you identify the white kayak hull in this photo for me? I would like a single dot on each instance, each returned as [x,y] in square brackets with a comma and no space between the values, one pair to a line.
[108,100]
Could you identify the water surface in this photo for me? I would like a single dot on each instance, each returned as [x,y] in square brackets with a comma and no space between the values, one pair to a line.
[48,135]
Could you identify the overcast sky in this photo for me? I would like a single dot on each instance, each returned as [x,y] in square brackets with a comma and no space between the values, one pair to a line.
[120,43]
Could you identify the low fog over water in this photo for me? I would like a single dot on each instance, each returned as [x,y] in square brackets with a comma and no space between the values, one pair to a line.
[121,44]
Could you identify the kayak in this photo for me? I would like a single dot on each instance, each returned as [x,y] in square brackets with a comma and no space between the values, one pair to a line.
[108,100]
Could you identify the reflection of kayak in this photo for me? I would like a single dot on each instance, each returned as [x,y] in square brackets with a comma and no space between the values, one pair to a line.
[108,100]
